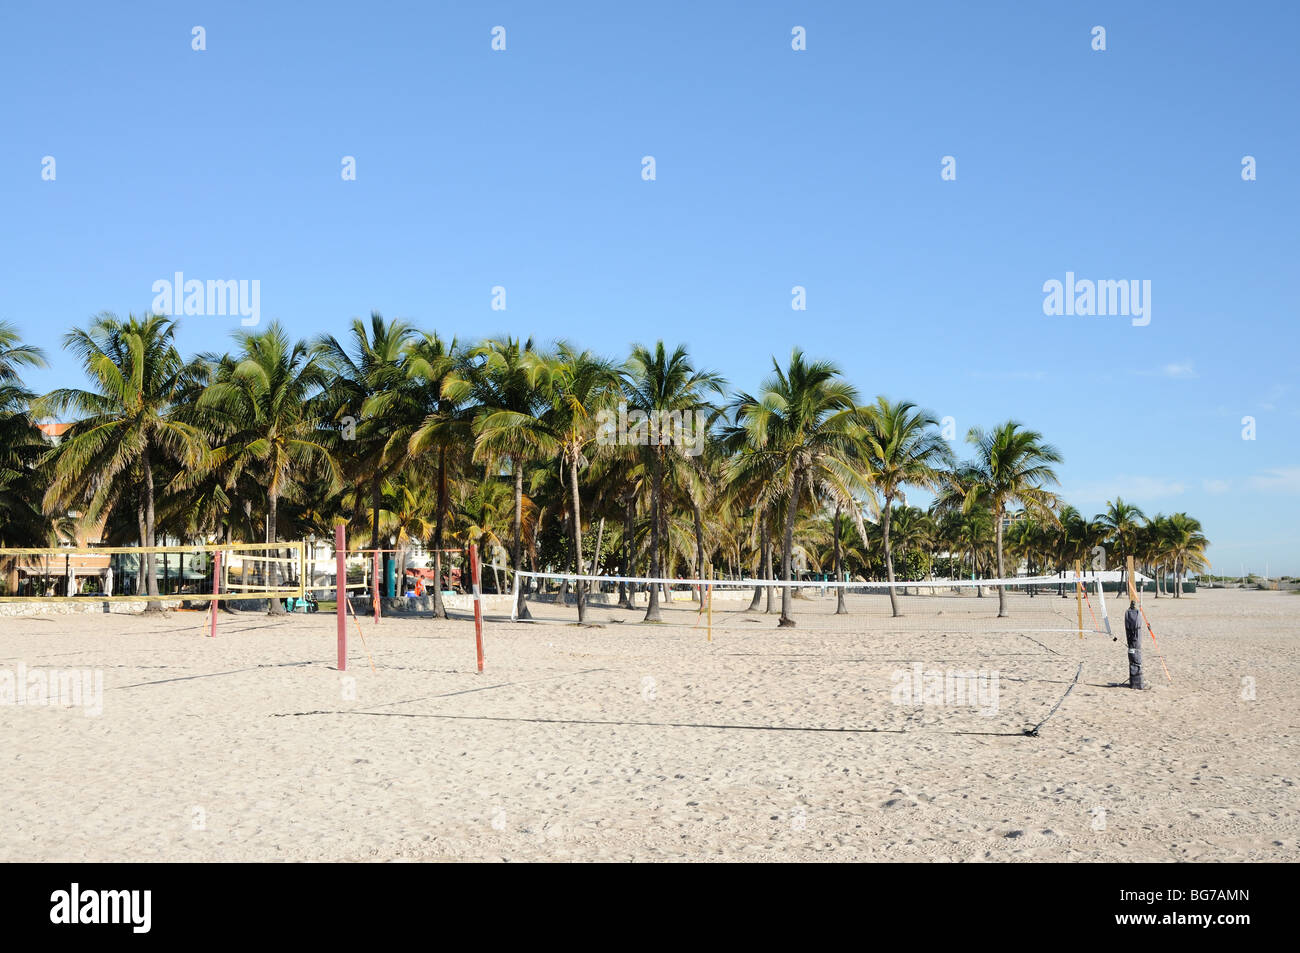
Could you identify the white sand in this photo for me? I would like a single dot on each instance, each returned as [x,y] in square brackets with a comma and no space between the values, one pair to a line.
[565,750]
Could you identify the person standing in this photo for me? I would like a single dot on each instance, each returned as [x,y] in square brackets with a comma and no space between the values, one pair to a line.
[1133,634]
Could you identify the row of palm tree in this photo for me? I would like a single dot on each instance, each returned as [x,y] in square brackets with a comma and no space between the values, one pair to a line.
[405,437]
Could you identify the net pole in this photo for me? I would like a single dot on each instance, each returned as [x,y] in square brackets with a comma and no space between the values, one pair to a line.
[478,604]
[1105,616]
[341,594]
[216,590]
[375,575]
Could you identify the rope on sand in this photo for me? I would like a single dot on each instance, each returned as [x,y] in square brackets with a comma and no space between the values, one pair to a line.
[1033,732]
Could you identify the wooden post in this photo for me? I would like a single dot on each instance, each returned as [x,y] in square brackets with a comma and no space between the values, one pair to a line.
[1132,589]
[216,590]
[341,594]
[478,603]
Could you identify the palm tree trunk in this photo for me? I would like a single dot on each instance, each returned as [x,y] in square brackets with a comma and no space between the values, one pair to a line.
[1002,590]
[769,564]
[151,580]
[885,521]
[439,521]
[839,590]
[516,542]
[787,549]
[273,605]
[652,613]
[699,547]
[624,589]
[229,528]
[600,542]
[376,497]
[759,519]
[144,541]
[579,587]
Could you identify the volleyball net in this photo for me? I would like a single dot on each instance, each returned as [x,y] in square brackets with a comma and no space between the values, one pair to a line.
[123,574]
[1065,603]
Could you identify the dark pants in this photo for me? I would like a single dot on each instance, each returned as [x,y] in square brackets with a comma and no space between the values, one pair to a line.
[1135,659]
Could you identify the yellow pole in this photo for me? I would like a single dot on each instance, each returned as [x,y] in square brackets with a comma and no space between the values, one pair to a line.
[1132,589]
[1078,595]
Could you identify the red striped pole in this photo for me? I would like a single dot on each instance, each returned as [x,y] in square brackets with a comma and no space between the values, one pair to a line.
[376,586]
[341,594]
[216,590]
[478,604]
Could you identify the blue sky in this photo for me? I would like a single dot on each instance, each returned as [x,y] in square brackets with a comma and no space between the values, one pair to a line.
[775,168]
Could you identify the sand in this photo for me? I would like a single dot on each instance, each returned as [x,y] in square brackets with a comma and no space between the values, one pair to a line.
[633,742]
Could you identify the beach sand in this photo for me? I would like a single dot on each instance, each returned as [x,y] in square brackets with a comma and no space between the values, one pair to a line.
[632,742]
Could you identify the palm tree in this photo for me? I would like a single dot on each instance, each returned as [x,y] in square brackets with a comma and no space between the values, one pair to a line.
[483,507]
[374,365]
[660,384]
[511,425]
[577,385]
[798,434]
[128,424]
[406,506]
[21,446]
[1187,545]
[975,535]
[1012,467]
[1123,522]
[901,448]
[1152,547]
[913,530]
[270,400]
[437,417]
[15,398]
[1069,541]
[617,476]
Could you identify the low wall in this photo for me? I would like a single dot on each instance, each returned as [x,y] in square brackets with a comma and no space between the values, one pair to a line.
[87,606]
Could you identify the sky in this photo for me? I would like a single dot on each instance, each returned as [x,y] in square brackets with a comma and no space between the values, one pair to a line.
[774,168]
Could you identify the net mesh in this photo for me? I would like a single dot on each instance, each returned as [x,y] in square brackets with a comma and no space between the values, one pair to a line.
[119,574]
[1064,603]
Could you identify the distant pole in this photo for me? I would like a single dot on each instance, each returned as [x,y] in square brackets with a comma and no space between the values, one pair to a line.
[341,594]
[375,587]
[216,590]
[478,603]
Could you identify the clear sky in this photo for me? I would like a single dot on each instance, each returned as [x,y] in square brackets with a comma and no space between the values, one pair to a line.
[774,168]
